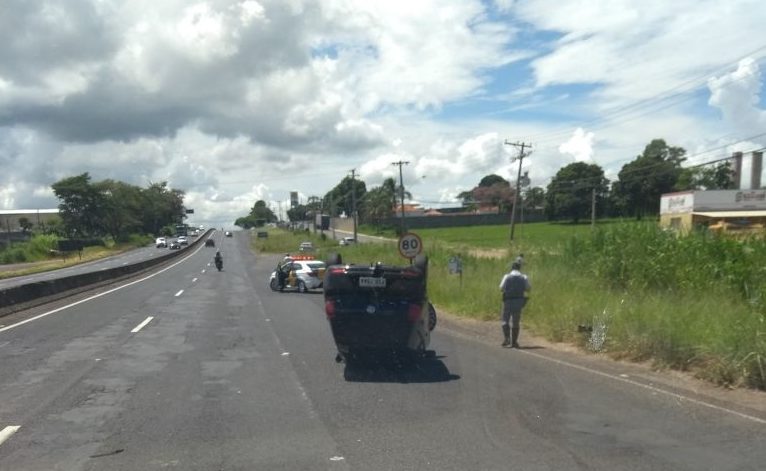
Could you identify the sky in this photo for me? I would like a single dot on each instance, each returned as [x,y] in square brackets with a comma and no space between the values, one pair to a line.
[241,100]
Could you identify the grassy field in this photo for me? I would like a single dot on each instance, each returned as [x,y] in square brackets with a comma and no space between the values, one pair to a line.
[696,304]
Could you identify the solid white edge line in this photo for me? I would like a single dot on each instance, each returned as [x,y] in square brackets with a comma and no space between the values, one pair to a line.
[142,325]
[45,314]
[680,397]
[179,293]
[7,432]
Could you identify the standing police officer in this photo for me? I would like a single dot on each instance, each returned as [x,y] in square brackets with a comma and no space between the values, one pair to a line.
[514,287]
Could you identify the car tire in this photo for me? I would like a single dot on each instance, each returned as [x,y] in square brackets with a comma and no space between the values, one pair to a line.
[302,287]
[431,316]
[274,284]
[334,259]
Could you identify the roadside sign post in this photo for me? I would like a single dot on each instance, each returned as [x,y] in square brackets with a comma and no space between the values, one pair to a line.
[410,245]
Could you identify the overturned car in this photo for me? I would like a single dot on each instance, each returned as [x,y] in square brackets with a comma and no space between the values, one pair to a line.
[378,309]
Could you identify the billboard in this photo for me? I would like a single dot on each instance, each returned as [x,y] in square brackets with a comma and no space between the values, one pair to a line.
[293,199]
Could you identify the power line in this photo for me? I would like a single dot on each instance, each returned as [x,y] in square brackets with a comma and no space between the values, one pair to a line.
[676,91]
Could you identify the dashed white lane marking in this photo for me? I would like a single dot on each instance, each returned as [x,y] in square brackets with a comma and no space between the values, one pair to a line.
[337,458]
[179,293]
[203,271]
[284,354]
[45,314]
[6,433]
[208,264]
[653,389]
[142,325]
[194,280]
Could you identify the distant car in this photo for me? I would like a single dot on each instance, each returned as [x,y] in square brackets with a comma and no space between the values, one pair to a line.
[195,233]
[303,275]
[183,240]
[210,243]
[229,234]
[306,247]
[347,241]
[161,242]
[174,245]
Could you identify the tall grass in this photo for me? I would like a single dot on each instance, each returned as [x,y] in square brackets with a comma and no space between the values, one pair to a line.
[692,303]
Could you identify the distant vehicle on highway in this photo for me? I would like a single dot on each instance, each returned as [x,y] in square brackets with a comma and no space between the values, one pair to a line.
[306,247]
[210,242]
[347,241]
[174,245]
[161,242]
[228,234]
[195,233]
[183,240]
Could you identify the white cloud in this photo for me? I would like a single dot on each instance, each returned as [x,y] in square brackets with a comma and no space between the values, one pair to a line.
[579,146]
[736,94]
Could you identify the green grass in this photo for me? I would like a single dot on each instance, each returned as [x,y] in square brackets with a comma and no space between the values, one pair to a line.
[693,304]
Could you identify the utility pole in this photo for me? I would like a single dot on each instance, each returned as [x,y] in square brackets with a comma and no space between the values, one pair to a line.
[593,208]
[401,190]
[353,200]
[521,146]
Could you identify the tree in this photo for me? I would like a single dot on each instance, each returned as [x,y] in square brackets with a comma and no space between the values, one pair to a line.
[492,190]
[339,199]
[641,182]
[298,213]
[25,224]
[123,206]
[377,204]
[570,193]
[162,206]
[259,214]
[492,179]
[534,198]
[718,177]
[81,207]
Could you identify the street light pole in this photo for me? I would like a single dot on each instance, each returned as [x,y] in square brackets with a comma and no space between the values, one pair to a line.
[353,201]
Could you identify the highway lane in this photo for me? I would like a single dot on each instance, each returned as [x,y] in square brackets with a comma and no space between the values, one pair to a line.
[125,258]
[229,375]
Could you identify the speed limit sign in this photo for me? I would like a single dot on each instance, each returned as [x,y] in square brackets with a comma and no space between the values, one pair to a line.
[410,245]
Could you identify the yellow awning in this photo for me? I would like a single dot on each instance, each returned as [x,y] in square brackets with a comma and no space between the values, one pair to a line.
[732,214]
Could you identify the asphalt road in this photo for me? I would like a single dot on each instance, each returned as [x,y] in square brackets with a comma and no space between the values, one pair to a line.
[228,375]
[125,258]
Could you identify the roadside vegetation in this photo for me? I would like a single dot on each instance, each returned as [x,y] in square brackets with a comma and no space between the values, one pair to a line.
[694,303]
[35,256]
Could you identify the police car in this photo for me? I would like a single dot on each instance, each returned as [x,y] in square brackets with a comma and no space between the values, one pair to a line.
[303,272]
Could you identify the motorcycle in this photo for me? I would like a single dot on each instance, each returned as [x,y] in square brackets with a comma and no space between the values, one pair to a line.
[219,264]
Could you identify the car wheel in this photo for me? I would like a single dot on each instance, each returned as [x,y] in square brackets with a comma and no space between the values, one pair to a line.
[274,284]
[302,287]
[431,316]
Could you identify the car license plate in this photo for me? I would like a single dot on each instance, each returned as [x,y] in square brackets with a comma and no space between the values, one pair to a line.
[371,282]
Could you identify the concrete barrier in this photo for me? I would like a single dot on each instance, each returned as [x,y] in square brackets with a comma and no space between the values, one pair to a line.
[26,296]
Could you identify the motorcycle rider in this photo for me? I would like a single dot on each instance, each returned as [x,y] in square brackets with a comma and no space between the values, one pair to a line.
[218,259]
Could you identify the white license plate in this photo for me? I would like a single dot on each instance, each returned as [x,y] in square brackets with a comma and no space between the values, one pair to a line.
[371,282]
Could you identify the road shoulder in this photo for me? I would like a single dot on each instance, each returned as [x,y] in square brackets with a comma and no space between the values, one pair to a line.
[683,384]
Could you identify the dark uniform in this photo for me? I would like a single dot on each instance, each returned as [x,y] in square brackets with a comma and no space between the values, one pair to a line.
[514,287]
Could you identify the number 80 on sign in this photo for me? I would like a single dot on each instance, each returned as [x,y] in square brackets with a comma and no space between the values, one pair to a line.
[410,245]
